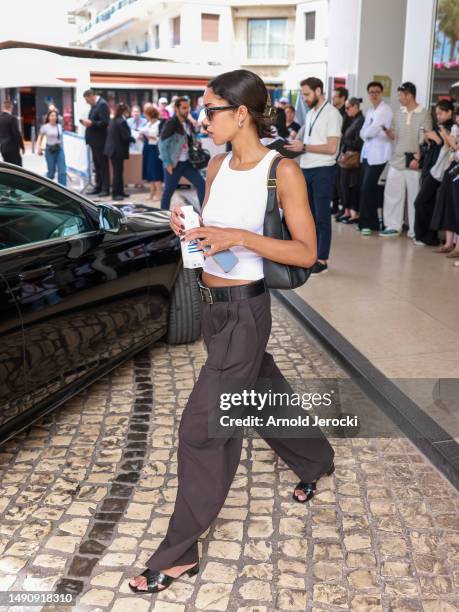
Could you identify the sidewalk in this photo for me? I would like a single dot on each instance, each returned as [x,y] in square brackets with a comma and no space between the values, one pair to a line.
[87,494]
[397,303]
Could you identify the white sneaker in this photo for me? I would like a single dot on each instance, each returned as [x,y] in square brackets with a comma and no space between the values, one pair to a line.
[419,242]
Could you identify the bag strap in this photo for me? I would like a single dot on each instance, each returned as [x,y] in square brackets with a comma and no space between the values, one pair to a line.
[272,184]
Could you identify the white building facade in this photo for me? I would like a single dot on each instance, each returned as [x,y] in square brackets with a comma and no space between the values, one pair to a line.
[282,41]
[347,42]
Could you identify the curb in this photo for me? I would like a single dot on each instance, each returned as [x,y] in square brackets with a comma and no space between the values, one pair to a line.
[431,439]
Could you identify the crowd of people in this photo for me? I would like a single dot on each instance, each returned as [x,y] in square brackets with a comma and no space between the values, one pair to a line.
[363,169]
[388,160]
[161,132]
[383,171]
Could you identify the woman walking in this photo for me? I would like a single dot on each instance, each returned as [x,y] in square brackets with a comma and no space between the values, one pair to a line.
[152,170]
[54,152]
[236,318]
[349,162]
[117,148]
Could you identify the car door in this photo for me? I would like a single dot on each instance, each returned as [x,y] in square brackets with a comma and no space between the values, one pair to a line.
[82,292]
[12,371]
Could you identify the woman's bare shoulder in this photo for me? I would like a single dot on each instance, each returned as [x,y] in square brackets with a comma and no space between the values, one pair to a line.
[288,170]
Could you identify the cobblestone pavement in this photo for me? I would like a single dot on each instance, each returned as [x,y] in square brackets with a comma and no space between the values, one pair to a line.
[381,534]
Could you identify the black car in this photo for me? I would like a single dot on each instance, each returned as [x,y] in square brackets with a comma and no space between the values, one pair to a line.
[83,287]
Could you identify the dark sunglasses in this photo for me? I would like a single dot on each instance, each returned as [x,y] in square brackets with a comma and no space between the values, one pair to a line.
[210,110]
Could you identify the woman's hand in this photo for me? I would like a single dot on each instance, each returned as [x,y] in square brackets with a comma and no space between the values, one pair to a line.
[40,151]
[217,238]
[176,222]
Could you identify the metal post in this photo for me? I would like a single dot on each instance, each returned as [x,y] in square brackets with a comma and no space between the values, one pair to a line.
[33,137]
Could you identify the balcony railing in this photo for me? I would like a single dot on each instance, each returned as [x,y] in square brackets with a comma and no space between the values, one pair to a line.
[268,51]
[106,14]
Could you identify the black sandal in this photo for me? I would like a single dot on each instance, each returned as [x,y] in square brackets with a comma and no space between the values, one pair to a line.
[309,488]
[156,579]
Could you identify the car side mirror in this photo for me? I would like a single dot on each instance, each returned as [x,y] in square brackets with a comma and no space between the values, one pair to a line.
[111,219]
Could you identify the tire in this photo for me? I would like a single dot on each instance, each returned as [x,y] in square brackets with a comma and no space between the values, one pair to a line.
[184,321]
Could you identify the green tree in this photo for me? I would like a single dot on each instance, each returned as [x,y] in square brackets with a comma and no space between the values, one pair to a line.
[448,18]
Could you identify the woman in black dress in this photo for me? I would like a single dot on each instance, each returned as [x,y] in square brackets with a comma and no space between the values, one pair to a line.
[433,162]
[117,148]
[350,176]
[446,212]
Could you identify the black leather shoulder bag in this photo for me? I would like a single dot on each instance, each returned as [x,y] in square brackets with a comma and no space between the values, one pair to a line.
[278,275]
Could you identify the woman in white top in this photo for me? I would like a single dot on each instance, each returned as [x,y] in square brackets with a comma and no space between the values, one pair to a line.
[236,320]
[54,151]
[152,169]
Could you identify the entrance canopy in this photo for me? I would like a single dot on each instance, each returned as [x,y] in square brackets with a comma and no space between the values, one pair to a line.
[23,68]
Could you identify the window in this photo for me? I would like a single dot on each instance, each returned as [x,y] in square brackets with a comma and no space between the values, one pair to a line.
[156,36]
[209,27]
[267,39]
[310,24]
[32,212]
[176,31]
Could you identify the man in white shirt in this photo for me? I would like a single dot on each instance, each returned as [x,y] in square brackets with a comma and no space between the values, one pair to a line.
[403,178]
[319,143]
[376,152]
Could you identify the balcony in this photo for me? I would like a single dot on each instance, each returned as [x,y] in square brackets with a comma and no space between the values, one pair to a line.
[106,14]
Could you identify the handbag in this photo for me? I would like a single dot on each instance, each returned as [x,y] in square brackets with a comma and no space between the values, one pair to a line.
[349,160]
[55,147]
[198,157]
[409,157]
[278,275]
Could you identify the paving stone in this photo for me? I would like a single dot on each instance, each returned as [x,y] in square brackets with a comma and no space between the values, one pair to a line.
[97,597]
[291,600]
[224,550]
[362,579]
[117,559]
[51,561]
[220,572]
[63,543]
[331,594]
[256,589]
[366,603]
[229,530]
[261,551]
[213,596]
[130,604]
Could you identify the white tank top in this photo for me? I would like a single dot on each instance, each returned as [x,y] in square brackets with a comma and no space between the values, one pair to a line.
[237,199]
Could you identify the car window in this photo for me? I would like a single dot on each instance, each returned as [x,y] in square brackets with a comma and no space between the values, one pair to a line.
[32,212]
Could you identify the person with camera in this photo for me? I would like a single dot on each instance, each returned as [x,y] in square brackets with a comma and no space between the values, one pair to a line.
[236,318]
[175,145]
[435,154]
[54,151]
[445,216]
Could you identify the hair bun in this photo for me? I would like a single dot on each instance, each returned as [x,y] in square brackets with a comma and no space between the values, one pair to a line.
[360,100]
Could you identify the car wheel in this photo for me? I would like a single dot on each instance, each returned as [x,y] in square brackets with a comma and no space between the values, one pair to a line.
[184,323]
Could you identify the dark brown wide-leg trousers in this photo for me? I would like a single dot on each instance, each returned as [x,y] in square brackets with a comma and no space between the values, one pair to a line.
[235,334]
